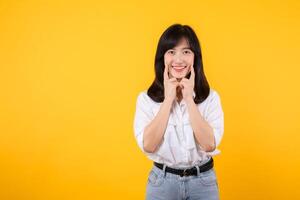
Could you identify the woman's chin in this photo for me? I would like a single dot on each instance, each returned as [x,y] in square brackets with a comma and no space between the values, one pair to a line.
[178,76]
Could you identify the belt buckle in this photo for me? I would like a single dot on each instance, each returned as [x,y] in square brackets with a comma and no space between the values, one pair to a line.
[185,172]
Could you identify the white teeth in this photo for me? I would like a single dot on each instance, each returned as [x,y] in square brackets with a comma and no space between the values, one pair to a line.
[179,67]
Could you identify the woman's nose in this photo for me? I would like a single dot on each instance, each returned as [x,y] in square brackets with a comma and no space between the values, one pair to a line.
[178,58]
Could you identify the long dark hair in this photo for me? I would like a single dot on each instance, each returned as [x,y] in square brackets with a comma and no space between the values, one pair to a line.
[169,39]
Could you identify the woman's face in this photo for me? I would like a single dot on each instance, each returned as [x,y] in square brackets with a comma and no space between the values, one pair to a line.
[179,60]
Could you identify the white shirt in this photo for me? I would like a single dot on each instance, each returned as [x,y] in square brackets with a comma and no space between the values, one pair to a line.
[179,148]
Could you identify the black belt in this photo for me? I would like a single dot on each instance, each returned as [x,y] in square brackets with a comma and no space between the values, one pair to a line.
[188,172]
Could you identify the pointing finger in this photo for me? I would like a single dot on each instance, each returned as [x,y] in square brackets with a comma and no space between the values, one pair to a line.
[166,72]
[192,77]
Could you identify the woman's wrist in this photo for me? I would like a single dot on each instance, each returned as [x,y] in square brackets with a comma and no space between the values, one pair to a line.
[190,100]
[168,102]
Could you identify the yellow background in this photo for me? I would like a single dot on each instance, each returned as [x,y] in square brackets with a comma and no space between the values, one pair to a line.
[70,73]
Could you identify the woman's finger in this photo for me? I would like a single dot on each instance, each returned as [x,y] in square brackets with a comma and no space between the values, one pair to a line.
[183,83]
[172,79]
[192,77]
[184,80]
[166,72]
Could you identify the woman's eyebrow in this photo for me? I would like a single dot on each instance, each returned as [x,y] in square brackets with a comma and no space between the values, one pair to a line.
[183,48]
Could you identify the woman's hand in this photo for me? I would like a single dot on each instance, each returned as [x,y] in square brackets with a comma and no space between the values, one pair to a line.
[170,85]
[187,86]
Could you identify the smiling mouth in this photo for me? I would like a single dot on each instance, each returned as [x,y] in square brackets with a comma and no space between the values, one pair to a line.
[179,68]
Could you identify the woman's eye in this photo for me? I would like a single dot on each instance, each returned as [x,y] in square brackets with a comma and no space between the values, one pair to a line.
[187,52]
[171,52]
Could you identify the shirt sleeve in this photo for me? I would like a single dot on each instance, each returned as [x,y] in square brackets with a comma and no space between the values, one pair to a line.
[215,117]
[143,116]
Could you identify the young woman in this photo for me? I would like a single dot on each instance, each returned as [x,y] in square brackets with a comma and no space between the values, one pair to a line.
[179,121]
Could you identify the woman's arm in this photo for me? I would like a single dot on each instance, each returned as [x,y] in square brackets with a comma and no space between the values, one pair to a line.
[202,130]
[155,130]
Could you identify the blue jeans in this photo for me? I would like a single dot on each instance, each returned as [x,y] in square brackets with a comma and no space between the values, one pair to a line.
[163,185]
